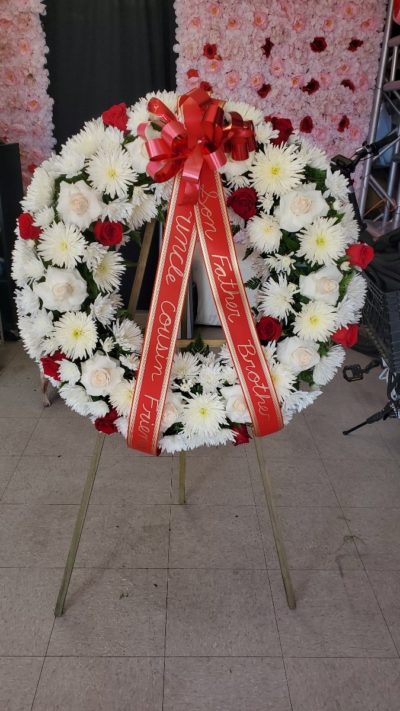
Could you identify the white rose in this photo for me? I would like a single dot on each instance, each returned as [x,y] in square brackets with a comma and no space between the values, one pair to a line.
[172,411]
[236,407]
[100,374]
[62,290]
[78,204]
[300,207]
[297,354]
[322,285]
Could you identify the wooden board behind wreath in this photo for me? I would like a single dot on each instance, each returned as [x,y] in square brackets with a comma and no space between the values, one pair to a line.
[310,65]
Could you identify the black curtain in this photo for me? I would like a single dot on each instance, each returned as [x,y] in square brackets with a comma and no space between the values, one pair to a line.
[103,52]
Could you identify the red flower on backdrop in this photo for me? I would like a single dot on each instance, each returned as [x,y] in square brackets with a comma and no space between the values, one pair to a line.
[264,90]
[312,86]
[211,51]
[360,255]
[306,124]
[51,364]
[243,201]
[31,167]
[192,73]
[343,123]
[116,116]
[268,329]
[283,125]
[267,47]
[349,84]
[205,85]
[107,424]
[108,233]
[27,229]
[318,44]
[346,336]
[354,44]
[241,434]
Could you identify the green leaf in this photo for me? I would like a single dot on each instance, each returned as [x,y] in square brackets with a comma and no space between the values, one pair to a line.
[197,346]
[253,283]
[248,251]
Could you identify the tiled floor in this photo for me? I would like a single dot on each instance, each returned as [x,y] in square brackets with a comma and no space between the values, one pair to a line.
[182,608]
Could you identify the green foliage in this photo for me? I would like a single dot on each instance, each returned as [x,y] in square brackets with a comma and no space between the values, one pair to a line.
[317,176]
[253,283]
[197,346]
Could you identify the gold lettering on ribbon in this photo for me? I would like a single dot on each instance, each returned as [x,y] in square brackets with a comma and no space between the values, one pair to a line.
[207,213]
[179,247]
[145,416]
[247,351]
[221,267]
[163,335]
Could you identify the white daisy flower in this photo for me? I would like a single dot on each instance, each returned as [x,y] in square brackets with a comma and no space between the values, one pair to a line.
[88,141]
[276,298]
[69,372]
[76,335]
[349,309]
[337,185]
[316,321]
[111,172]
[312,155]
[162,191]
[264,233]
[349,224]
[203,414]
[322,242]
[228,375]
[128,335]
[97,408]
[107,272]
[113,138]
[174,443]
[205,439]
[78,204]
[27,301]
[104,307]
[26,267]
[264,132]
[280,263]
[121,424]
[69,163]
[266,202]
[283,379]
[34,331]
[298,401]
[107,344]
[185,366]
[247,112]
[116,211]
[63,245]
[76,398]
[210,377]
[39,193]
[328,365]
[143,207]
[131,361]
[94,254]
[234,169]
[277,170]
[44,217]
[137,114]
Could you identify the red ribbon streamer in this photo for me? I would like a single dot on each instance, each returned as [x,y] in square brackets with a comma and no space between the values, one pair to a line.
[192,150]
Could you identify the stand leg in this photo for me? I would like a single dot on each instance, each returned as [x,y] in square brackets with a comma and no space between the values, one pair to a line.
[280,548]
[182,477]
[80,521]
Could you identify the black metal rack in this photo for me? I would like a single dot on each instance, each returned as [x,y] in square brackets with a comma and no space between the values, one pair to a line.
[10,197]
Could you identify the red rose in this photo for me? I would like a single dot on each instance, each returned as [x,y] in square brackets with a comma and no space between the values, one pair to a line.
[108,233]
[192,73]
[343,123]
[354,44]
[267,46]
[311,87]
[51,364]
[243,201]
[27,230]
[348,84]
[241,434]
[264,90]
[346,336]
[318,44]
[211,51]
[360,255]
[205,85]
[306,124]
[116,116]
[268,329]
[283,125]
[107,424]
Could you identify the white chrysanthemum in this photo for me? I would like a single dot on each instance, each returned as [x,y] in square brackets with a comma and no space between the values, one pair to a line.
[229,375]
[113,137]
[278,170]
[26,267]
[328,365]
[337,185]
[78,204]
[203,414]
[143,207]
[298,401]
[280,263]
[40,191]
[63,245]
[89,139]
[266,202]
[313,155]
[128,335]
[236,407]
[174,443]
[283,379]
[104,308]
[264,233]
[107,344]
[185,366]
[138,153]
[322,242]
[97,408]
[131,361]
[349,224]
[121,424]
[316,321]
[44,217]
[27,301]
[76,335]
[111,172]
[137,114]
[225,355]
[116,211]
[94,254]
[162,191]
[246,111]
[349,309]
[69,163]
[264,132]
[172,412]
[205,439]
[169,98]
[276,298]
[34,331]
[76,398]
[233,169]
[69,372]
[62,289]
[210,377]
[108,271]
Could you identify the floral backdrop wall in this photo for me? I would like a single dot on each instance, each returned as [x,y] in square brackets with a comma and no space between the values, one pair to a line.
[25,106]
[309,66]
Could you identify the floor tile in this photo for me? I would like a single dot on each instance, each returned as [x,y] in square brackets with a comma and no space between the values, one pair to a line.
[222,684]
[386,586]
[366,443]
[293,441]
[22,398]
[27,599]
[301,482]
[15,434]
[389,431]
[35,535]
[376,534]
[112,613]
[18,681]
[136,480]
[215,481]
[47,479]
[8,463]
[215,537]
[220,613]
[373,482]
[337,615]
[344,684]
[95,684]
[125,536]
[76,436]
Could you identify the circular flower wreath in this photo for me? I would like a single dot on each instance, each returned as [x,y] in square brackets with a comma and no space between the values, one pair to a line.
[285,205]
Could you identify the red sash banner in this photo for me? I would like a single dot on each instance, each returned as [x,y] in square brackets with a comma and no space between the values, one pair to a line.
[192,151]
